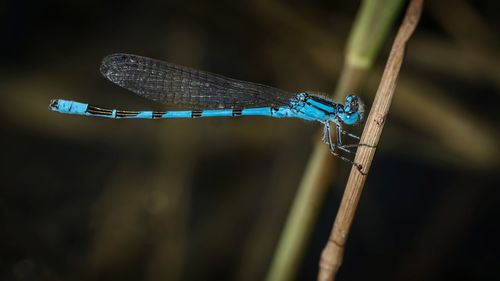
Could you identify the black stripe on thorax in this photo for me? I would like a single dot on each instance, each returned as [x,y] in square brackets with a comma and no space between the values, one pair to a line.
[319,108]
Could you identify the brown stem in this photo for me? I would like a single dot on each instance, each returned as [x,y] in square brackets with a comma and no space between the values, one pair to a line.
[331,257]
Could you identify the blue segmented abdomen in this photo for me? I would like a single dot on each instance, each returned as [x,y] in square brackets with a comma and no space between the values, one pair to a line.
[78,108]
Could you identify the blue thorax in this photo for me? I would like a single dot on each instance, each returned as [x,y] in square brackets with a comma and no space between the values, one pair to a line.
[315,108]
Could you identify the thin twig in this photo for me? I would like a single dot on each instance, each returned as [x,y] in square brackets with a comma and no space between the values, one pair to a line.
[369,31]
[331,257]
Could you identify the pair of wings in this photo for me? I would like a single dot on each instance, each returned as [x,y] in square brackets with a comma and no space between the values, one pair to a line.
[169,83]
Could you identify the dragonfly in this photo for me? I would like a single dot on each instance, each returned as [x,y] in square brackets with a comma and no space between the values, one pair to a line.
[212,95]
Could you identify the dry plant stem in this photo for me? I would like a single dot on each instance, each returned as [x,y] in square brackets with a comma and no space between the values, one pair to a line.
[331,257]
[367,35]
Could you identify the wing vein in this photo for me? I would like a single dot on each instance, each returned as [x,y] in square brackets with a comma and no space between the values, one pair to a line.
[169,83]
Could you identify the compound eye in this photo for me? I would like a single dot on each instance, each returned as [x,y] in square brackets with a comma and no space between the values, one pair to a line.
[354,105]
[351,103]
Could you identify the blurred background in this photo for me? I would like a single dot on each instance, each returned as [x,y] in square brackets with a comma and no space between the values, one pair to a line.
[206,199]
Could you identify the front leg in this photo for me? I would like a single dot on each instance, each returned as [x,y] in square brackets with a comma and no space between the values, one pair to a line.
[328,140]
[344,147]
[340,132]
[327,137]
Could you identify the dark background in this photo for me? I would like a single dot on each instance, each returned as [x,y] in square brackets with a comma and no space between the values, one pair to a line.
[95,199]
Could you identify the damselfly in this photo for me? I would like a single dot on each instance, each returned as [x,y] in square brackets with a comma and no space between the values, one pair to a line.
[212,95]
